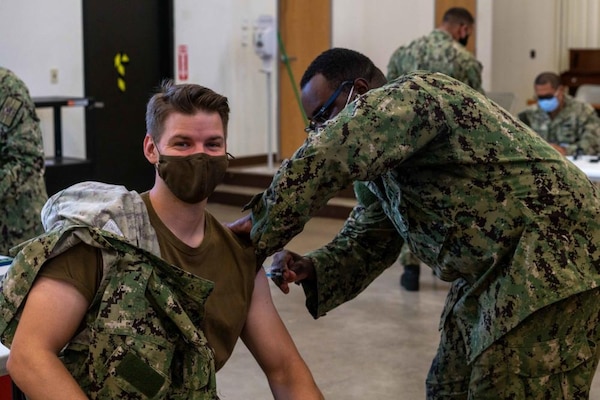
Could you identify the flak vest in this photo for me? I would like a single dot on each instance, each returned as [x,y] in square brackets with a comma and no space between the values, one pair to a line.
[142,337]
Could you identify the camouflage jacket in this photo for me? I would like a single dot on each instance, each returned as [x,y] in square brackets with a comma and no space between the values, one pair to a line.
[479,197]
[22,187]
[576,126]
[141,338]
[437,52]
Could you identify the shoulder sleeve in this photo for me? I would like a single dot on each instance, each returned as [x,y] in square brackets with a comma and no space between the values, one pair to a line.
[474,76]
[367,245]
[392,69]
[367,139]
[80,266]
[471,71]
[21,150]
[589,130]
[242,247]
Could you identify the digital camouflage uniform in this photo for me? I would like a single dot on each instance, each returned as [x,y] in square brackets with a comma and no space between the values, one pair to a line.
[482,200]
[437,52]
[22,187]
[141,338]
[576,126]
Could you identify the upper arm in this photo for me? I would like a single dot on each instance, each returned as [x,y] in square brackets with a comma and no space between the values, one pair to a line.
[264,333]
[589,135]
[52,314]
[475,76]
[592,121]
[59,298]
[392,71]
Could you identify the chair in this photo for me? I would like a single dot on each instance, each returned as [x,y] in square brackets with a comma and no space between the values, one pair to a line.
[503,99]
[588,93]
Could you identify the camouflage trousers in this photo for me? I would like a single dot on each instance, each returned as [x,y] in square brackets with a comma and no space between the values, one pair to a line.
[407,257]
[551,355]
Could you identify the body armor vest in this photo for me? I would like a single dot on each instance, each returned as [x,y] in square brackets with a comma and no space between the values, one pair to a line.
[141,336]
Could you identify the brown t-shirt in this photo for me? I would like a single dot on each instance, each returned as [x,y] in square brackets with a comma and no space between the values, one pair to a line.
[221,258]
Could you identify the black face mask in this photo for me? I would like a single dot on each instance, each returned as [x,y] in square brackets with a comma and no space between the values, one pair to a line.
[464,40]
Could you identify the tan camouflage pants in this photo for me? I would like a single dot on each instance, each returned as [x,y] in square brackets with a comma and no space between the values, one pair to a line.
[552,355]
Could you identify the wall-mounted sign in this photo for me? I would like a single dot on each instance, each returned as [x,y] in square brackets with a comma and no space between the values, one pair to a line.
[121,60]
[182,62]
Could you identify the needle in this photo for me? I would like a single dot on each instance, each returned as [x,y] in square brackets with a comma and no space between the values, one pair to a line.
[272,272]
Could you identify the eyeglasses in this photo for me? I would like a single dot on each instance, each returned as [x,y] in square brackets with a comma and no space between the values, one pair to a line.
[322,116]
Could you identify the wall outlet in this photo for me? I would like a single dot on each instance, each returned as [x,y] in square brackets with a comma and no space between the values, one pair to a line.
[54,75]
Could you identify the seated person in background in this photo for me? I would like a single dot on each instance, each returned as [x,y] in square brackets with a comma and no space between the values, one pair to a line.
[133,295]
[22,187]
[569,125]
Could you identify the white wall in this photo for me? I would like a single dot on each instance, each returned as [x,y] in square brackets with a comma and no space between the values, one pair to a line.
[219,35]
[377,31]
[520,27]
[38,35]
[35,37]
[484,33]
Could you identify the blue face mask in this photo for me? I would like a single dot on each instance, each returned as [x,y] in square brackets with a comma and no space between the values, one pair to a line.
[548,105]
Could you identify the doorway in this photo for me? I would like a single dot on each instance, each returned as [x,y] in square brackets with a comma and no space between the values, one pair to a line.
[127,53]
[305,29]
[442,5]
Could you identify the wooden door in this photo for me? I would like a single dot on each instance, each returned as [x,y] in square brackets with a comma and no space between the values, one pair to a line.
[442,5]
[305,30]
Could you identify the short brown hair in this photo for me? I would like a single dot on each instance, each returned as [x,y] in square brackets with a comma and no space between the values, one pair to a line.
[185,99]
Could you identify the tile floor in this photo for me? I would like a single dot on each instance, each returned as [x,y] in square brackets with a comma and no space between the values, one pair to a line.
[377,346]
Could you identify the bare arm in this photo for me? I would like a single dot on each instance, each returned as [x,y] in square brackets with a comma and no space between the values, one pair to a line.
[268,340]
[52,314]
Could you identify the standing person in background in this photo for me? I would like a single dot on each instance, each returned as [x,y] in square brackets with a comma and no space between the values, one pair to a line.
[443,50]
[22,187]
[568,124]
